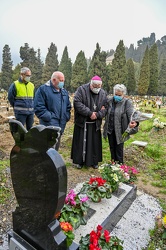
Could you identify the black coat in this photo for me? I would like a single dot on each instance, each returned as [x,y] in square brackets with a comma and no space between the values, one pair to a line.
[82,104]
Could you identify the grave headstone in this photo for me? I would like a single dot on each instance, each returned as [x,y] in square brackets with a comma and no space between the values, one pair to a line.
[39,178]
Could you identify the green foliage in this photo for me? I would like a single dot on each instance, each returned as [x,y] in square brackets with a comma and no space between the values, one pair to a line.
[98,66]
[6,75]
[4,189]
[96,189]
[33,62]
[131,82]
[143,82]
[154,72]
[79,71]
[119,69]
[16,72]
[65,66]
[51,63]
[162,78]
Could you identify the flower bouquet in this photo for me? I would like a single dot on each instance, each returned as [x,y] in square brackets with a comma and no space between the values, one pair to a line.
[129,173]
[74,210]
[157,124]
[97,240]
[113,174]
[68,231]
[96,189]
[136,116]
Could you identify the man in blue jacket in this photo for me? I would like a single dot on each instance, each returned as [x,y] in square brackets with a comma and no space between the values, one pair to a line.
[21,98]
[52,105]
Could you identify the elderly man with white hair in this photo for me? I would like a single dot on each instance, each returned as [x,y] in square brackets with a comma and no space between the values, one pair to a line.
[117,121]
[89,110]
[52,105]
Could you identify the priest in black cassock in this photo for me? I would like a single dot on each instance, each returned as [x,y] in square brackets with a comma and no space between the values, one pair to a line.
[89,110]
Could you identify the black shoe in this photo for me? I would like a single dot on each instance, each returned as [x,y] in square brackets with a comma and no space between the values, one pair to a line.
[79,166]
[95,166]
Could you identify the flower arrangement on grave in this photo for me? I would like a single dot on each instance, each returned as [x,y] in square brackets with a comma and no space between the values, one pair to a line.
[96,189]
[113,174]
[161,225]
[68,231]
[157,124]
[74,210]
[98,240]
[129,173]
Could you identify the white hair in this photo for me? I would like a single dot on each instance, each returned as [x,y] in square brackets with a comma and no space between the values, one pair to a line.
[24,70]
[119,87]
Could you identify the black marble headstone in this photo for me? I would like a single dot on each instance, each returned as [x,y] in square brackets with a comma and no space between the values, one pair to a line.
[39,178]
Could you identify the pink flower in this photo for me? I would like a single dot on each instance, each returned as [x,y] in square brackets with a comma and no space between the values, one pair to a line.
[84,199]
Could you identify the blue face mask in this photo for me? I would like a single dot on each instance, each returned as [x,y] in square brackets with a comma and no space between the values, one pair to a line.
[60,85]
[117,98]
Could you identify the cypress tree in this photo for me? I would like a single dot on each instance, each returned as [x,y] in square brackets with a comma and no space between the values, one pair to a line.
[131,82]
[79,71]
[154,73]
[16,72]
[65,67]
[144,77]
[24,55]
[51,63]
[119,69]
[38,69]
[162,78]
[98,66]
[6,75]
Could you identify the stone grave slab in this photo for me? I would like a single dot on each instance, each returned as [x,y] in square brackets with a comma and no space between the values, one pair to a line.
[140,143]
[107,212]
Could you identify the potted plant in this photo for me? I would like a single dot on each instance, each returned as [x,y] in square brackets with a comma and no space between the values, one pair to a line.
[96,189]
[129,173]
[112,173]
[68,231]
[98,240]
[74,209]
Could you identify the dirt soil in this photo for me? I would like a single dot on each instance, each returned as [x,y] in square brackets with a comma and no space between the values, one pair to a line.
[74,175]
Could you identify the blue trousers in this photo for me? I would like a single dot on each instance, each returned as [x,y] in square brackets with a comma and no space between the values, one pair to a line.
[27,120]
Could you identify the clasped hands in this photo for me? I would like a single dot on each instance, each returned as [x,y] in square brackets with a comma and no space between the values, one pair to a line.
[94,114]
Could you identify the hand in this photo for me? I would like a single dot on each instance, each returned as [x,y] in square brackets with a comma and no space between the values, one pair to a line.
[93,116]
[132,124]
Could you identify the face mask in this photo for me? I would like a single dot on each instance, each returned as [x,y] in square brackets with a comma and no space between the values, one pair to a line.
[60,85]
[27,78]
[117,98]
[96,90]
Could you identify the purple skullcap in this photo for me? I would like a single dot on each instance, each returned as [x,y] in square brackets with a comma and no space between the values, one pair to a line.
[96,79]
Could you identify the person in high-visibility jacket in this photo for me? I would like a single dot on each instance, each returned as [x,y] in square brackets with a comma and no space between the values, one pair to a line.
[21,98]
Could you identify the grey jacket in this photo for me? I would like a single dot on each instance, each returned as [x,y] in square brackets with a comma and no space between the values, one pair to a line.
[121,121]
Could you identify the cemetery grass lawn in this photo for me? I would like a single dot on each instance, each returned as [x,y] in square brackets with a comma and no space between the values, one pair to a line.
[149,160]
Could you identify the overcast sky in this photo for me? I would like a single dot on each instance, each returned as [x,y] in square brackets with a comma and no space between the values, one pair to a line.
[79,24]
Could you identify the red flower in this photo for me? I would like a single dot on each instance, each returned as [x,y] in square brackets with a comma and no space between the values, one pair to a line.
[107,235]
[100,181]
[99,228]
[66,226]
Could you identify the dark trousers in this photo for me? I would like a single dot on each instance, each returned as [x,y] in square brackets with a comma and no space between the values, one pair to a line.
[116,149]
[25,120]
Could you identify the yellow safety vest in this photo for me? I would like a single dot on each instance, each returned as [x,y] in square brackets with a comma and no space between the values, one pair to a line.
[24,91]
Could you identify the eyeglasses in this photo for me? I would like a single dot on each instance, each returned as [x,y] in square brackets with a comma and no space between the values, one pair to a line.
[28,75]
